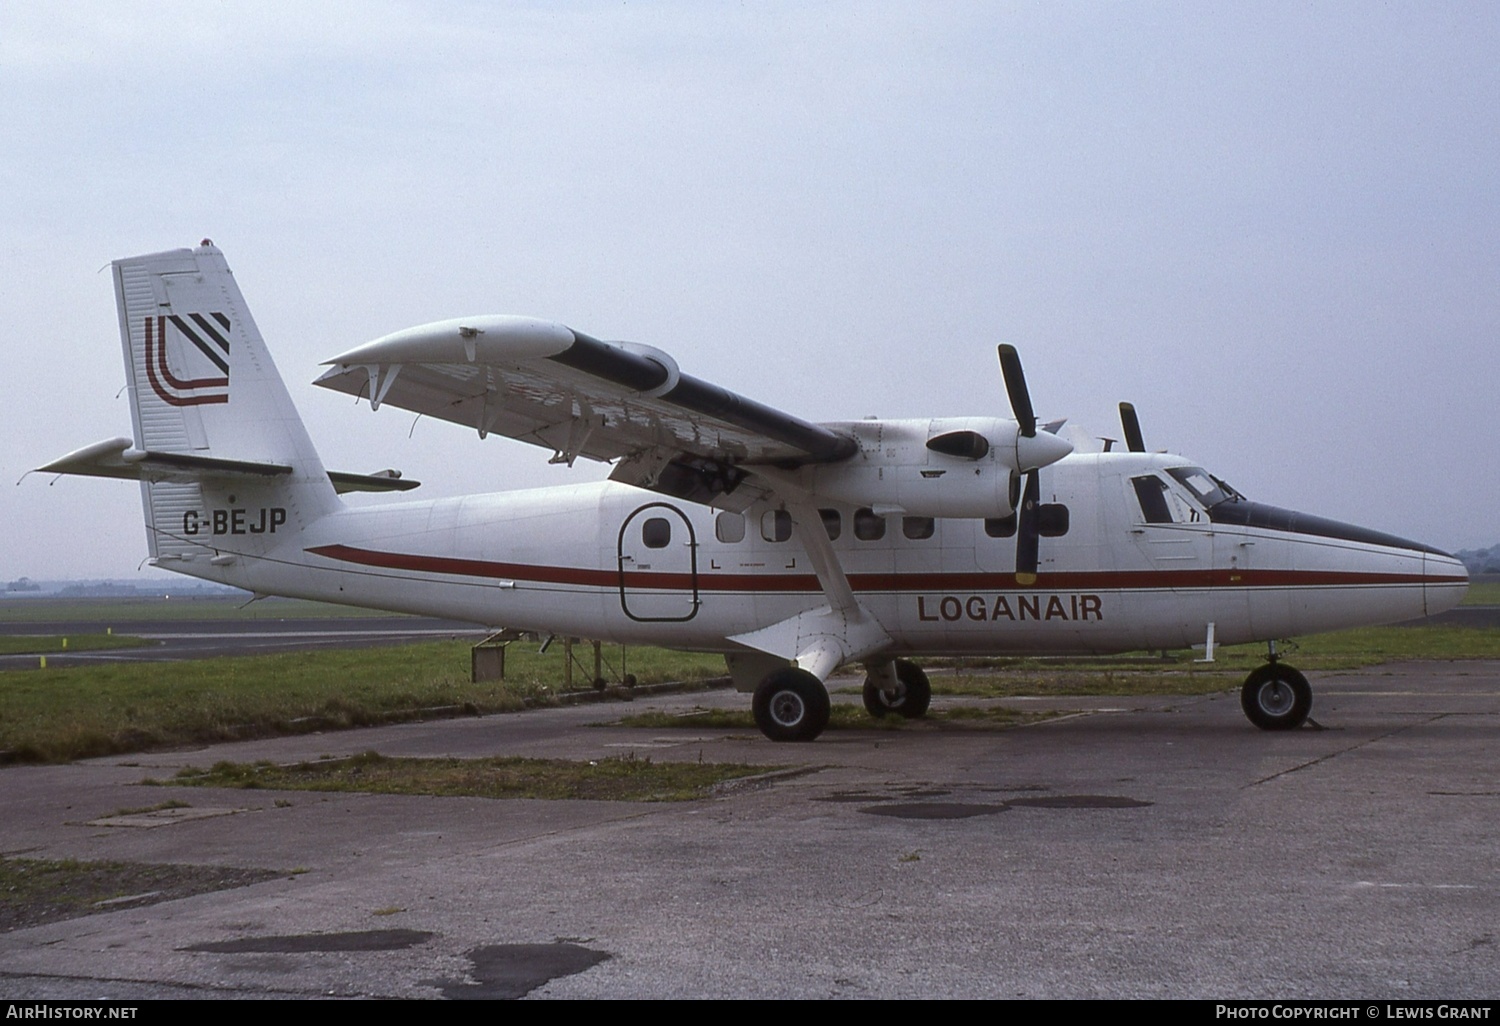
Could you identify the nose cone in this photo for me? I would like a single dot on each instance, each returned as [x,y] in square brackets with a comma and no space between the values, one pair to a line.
[1039,450]
[1356,577]
[1445,581]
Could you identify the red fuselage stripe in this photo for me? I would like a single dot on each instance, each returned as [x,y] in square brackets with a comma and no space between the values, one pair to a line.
[1091,580]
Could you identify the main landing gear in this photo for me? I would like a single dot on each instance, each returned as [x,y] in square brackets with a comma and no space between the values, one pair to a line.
[1276,697]
[792,704]
[910,697]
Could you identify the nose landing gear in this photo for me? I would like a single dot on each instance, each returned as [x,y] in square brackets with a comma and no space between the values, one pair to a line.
[1276,697]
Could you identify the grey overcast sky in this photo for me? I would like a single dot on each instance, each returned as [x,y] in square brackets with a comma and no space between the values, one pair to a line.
[1272,226]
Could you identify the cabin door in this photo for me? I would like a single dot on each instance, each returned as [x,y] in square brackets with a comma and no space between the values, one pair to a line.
[658,558]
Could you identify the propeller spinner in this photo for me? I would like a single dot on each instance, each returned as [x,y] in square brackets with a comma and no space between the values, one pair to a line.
[1033,448]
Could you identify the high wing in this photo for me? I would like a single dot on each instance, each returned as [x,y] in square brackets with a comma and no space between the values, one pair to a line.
[551,386]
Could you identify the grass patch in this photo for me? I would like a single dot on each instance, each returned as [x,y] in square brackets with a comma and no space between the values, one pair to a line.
[617,779]
[1368,646]
[989,716]
[1176,673]
[56,715]
[1044,682]
[61,714]
[842,717]
[166,609]
[35,891]
[44,644]
[1482,593]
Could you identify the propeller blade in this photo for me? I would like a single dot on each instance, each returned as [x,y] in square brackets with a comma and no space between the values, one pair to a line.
[1132,424]
[1015,387]
[1027,535]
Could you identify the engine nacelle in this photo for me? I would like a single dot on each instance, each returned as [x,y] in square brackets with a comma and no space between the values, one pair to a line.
[959,467]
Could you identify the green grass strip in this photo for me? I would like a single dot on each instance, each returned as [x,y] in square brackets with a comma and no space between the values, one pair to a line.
[1482,593]
[622,779]
[843,716]
[35,891]
[57,715]
[45,644]
[156,608]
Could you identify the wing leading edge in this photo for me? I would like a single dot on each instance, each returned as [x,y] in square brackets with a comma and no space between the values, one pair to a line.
[545,384]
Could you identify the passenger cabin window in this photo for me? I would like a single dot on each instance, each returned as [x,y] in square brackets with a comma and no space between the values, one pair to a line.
[1000,527]
[656,533]
[729,527]
[868,525]
[832,523]
[776,525]
[918,528]
[1052,521]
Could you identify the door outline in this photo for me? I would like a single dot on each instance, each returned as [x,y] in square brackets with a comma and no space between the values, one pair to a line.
[643,595]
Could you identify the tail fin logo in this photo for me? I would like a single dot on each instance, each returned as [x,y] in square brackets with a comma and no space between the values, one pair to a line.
[206,352]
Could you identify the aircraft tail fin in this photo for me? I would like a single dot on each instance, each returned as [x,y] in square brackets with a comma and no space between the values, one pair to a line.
[207,403]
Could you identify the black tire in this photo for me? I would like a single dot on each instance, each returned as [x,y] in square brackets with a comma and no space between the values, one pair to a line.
[791,705]
[913,695]
[1276,697]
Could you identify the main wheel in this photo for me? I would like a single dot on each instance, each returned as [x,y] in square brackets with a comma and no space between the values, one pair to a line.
[913,693]
[791,705]
[1276,697]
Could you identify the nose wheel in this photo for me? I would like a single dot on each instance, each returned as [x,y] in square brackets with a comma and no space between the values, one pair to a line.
[1276,697]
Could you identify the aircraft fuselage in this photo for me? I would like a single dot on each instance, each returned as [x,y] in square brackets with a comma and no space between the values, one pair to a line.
[620,564]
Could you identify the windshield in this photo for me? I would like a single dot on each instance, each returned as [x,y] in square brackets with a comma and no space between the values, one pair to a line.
[1203,485]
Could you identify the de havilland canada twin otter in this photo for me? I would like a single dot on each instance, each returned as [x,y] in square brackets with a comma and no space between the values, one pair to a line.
[790,547]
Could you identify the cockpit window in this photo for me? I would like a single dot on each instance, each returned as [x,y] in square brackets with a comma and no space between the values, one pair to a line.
[1201,483]
[1151,492]
[1229,489]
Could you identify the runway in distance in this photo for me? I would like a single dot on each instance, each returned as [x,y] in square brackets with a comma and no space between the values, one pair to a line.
[792,547]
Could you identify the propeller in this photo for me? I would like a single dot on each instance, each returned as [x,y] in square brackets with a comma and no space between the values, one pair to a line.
[1033,451]
[1132,425]
[1015,387]
[1028,538]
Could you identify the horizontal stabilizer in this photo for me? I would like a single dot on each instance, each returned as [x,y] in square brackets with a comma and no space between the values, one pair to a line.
[117,457]
[383,481]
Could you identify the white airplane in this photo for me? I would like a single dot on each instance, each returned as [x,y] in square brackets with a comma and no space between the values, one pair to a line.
[727,526]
